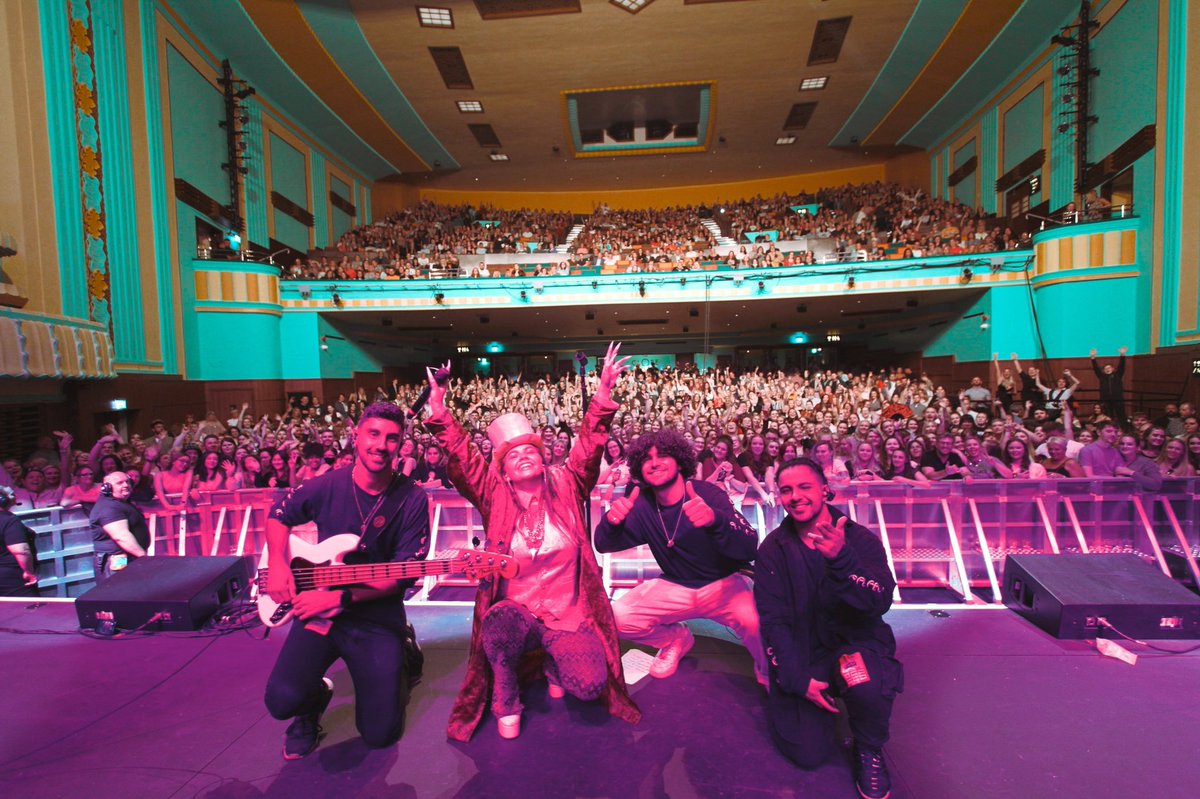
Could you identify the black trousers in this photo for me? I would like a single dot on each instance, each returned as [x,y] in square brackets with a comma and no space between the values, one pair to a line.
[375,657]
[805,733]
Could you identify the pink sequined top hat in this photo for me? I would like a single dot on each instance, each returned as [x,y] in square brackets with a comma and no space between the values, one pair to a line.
[511,430]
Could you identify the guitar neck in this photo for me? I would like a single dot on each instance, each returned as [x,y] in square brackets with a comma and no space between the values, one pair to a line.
[351,574]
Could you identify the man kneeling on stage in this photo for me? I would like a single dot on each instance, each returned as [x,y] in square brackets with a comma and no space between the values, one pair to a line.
[363,624]
[700,542]
[822,585]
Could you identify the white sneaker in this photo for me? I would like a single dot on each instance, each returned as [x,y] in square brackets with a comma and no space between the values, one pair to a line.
[667,660]
[509,727]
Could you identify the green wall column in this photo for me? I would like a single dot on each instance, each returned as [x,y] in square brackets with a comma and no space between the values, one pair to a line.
[124,256]
[320,199]
[255,180]
[988,155]
[1062,144]
[161,229]
[64,155]
[1172,189]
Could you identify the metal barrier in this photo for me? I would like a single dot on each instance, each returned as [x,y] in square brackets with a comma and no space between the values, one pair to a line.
[952,535]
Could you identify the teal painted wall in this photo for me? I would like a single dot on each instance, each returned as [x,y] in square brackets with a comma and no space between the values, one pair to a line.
[1123,95]
[197,143]
[254,182]
[121,223]
[221,355]
[989,127]
[964,191]
[341,220]
[156,159]
[64,156]
[288,171]
[302,358]
[1022,129]
[320,201]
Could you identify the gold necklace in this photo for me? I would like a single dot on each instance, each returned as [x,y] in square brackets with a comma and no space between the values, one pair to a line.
[669,536]
[535,533]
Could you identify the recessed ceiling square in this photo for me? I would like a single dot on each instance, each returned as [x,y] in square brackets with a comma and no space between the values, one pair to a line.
[431,17]
[653,119]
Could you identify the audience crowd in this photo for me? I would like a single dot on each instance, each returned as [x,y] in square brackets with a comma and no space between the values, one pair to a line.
[871,222]
[888,425]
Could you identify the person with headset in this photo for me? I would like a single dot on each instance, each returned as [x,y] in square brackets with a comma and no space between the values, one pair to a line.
[822,585]
[119,530]
[18,558]
[699,540]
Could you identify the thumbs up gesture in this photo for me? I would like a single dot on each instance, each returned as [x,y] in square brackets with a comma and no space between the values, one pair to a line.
[620,508]
[698,512]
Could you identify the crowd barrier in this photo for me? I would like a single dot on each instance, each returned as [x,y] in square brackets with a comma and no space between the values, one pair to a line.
[951,536]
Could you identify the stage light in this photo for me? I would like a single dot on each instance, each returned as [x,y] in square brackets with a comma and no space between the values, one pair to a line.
[337,300]
[595,284]
[524,296]
[439,297]
[642,288]
[1065,41]
[850,282]
[967,274]
[762,287]
[983,323]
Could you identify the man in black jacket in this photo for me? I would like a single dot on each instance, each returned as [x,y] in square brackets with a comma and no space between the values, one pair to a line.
[822,585]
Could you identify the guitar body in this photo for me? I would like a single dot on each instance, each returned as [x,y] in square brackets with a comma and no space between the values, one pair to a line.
[329,552]
[335,562]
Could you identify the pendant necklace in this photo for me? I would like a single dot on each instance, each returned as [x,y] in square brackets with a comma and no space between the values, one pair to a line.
[671,535]
[534,533]
[354,489]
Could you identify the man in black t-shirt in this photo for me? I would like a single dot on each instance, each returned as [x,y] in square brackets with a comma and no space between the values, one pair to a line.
[363,624]
[942,462]
[119,531]
[18,557]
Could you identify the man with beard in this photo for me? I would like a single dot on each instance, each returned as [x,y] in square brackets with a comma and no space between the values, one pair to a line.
[363,624]
[822,585]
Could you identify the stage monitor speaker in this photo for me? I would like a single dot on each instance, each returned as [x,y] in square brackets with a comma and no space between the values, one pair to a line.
[1068,595]
[185,590]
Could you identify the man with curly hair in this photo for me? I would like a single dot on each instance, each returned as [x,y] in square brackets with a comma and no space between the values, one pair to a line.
[700,542]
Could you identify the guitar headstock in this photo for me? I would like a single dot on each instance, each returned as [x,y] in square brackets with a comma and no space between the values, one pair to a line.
[479,563]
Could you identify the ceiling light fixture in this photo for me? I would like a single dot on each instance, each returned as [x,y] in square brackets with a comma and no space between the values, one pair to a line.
[431,17]
[470,106]
[813,84]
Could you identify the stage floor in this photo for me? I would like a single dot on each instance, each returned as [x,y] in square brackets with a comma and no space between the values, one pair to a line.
[993,708]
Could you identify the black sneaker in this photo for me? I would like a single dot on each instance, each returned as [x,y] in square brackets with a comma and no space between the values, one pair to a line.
[414,658]
[304,733]
[871,775]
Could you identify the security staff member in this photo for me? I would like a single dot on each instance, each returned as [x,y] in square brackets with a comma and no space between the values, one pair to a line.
[119,531]
[18,557]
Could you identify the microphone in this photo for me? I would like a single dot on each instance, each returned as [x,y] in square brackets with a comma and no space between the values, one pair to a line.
[441,377]
[581,358]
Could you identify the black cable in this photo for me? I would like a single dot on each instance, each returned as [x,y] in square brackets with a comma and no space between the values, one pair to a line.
[1105,623]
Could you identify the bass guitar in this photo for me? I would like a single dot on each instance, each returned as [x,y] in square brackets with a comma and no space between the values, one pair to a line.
[323,565]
